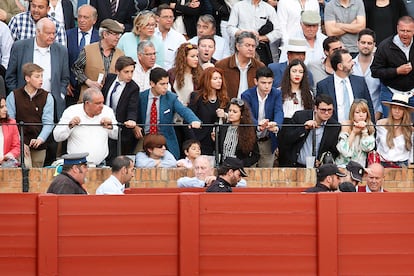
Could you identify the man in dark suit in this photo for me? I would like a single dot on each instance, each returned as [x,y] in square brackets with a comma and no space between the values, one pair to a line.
[124,11]
[121,93]
[78,38]
[166,105]
[312,133]
[344,87]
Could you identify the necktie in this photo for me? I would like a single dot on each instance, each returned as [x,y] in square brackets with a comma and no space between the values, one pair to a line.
[113,7]
[112,93]
[347,104]
[82,41]
[153,117]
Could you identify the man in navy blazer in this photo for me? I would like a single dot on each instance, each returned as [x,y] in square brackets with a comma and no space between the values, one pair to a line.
[167,105]
[356,86]
[268,119]
[87,17]
[23,51]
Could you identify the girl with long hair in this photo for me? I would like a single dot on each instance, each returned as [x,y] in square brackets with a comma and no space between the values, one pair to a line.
[357,136]
[10,151]
[209,103]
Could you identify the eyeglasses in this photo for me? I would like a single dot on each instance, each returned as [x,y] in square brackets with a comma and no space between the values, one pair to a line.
[191,46]
[159,146]
[150,25]
[237,101]
[114,34]
[325,110]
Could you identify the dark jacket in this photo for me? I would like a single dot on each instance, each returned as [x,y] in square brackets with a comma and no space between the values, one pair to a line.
[65,184]
[219,186]
[319,187]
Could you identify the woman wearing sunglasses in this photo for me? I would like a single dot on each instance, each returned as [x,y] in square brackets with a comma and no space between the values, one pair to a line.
[155,153]
[238,139]
[357,137]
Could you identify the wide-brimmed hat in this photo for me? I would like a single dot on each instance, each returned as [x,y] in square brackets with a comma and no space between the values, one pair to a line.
[296,45]
[311,18]
[400,100]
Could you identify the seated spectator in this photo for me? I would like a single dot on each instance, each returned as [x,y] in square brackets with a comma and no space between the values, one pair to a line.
[237,140]
[354,173]
[122,172]
[155,153]
[328,179]
[79,121]
[357,136]
[73,176]
[10,152]
[347,187]
[375,179]
[229,173]
[394,134]
[192,150]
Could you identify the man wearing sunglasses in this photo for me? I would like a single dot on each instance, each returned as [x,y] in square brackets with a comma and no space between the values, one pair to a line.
[311,133]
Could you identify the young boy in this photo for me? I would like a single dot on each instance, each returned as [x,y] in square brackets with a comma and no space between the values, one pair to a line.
[192,150]
[34,106]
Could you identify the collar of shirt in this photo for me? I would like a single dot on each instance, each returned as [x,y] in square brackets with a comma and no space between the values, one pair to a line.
[368,190]
[89,32]
[42,50]
[397,41]
[338,80]
[238,64]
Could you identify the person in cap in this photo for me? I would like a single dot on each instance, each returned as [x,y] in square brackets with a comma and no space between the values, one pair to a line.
[394,133]
[296,49]
[98,59]
[122,172]
[72,178]
[354,174]
[375,179]
[328,178]
[229,174]
[310,32]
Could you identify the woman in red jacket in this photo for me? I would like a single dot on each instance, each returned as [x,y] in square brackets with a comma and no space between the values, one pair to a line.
[9,136]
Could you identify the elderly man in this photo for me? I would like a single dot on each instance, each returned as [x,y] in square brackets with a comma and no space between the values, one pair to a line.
[79,121]
[146,62]
[73,176]
[48,54]
[206,25]
[240,68]
[393,62]
[229,173]
[328,179]
[98,59]
[122,172]
[78,38]
[375,179]
[23,25]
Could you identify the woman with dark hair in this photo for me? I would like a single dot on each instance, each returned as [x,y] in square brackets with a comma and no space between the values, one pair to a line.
[9,137]
[155,153]
[296,91]
[209,103]
[237,140]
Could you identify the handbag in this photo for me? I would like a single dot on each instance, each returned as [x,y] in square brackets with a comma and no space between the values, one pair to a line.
[373,157]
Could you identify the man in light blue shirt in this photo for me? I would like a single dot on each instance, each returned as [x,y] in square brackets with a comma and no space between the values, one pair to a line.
[122,171]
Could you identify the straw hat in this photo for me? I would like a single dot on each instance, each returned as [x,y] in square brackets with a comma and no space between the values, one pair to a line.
[400,100]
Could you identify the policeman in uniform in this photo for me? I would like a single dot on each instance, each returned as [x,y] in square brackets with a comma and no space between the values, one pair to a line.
[72,178]
[229,173]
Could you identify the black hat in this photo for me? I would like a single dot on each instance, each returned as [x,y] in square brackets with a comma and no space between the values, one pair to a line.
[356,170]
[235,164]
[75,158]
[347,187]
[328,169]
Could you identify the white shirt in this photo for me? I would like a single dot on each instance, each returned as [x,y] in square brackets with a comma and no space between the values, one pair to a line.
[142,78]
[243,84]
[339,92]
[6,43]
[89,136]
[41,57]
[222,47]
[116,94]
[289,14]
[172,41]
[111,186]
[88,36]
[57,12]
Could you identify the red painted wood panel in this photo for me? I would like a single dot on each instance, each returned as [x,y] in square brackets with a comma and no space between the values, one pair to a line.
[202,190]
[18,234]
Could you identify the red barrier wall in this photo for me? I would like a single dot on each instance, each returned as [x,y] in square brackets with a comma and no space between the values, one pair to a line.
[207,234]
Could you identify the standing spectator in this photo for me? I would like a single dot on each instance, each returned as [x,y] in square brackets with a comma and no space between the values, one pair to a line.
[229,173]
[119,10]
[375,179]
[122,172]
[328,179]
[62,11]
[206,48]
[80,120]
[144,28]
[362,67]
[377,10]
[10,151]
[146,62]
[393,61]
[344,87]
[32,104]
[98,59]
[345,19]
[357,136]
[78,38]
[23,25]
[395,134]
[121,94]
[45,52]
[240,68]
[266,106]
[6,43]
[312,133]
[186,14]
[170,37]
[209,103]
[8,9]
[155,153]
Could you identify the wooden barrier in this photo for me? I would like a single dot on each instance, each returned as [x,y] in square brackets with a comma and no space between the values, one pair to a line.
[207,234]
[203,190]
